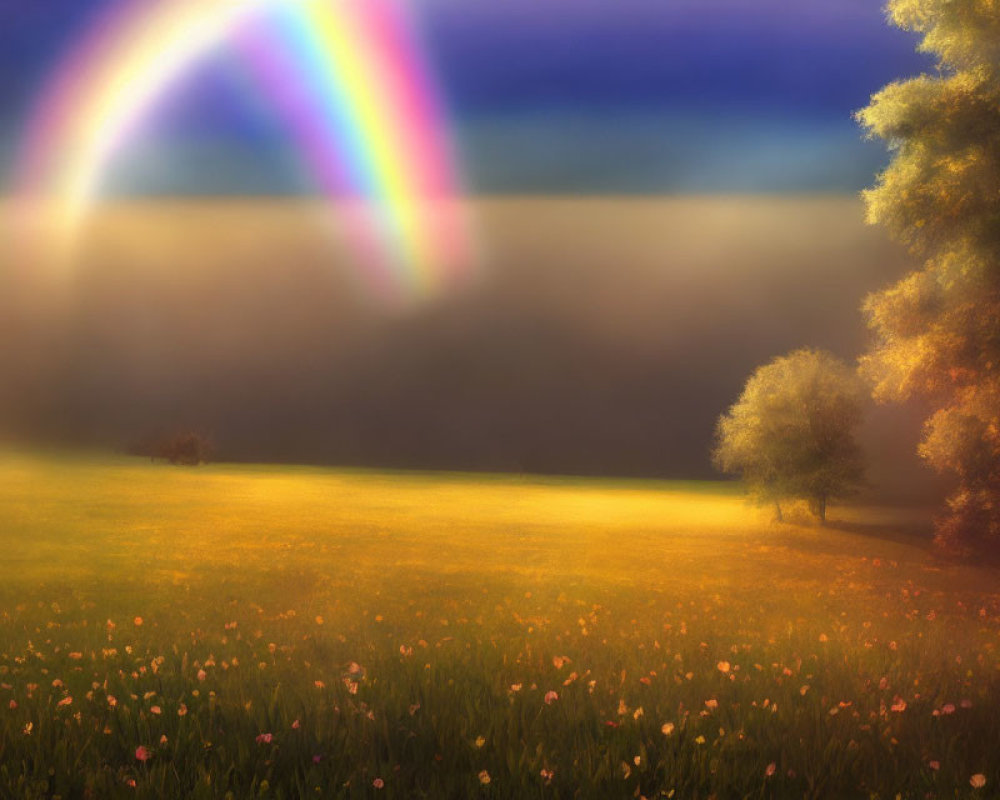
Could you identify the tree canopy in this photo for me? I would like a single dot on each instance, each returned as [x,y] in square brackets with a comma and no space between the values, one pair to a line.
[791,433]
[937,331]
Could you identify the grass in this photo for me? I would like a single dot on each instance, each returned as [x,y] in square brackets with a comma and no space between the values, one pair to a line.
[283,632]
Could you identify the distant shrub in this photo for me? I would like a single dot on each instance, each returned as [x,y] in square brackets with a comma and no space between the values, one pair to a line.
[188,448]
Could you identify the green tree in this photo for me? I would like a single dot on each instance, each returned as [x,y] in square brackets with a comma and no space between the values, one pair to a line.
[937,331]
[791,433]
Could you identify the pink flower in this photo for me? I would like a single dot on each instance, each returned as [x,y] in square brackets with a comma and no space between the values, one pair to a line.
[317,759]
[265,738]
[378,783]
[551,697]
[934,765]
[296,725]
[770,770]
[142,753]
[978,780]
[948,708]
[202,674]
[547,775]
[899,706]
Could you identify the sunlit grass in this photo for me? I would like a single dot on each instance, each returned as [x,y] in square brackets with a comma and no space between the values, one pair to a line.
[290,632]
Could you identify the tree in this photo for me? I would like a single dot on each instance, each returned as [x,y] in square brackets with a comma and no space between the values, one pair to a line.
[937,331]
[791,433]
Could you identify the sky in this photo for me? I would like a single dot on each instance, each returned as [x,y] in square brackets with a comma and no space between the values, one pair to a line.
[544,96]
[666,197]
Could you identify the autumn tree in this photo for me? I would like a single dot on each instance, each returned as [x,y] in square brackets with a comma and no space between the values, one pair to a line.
[791,433]
[937,331]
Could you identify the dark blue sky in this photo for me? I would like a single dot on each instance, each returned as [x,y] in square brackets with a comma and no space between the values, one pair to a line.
[550,96]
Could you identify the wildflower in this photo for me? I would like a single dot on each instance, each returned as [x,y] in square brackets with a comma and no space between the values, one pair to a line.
[484,777]
[948,708]
[803,690]
[319,620]
[138,622]
[723,666]
[265,738]
[978,780]
[823,637]
[12,705]
[899,706]
[770,769]
[155,710]
[480,741]
[319,684]
[551,697]
[142,753]
[28,728]
[317,758]
[934,765]
[668,728]
[712,704]
[516,687]
[966,704]
[638,713]
[112,700]
[296,725]
[414,709]
[182,710]
[66,701]
[378,783]
[547,775]
[202,674]
[699,740]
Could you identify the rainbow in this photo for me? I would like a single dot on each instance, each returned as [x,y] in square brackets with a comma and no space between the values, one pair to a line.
[347,77]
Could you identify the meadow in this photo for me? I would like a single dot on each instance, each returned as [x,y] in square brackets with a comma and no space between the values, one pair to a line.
[285,632]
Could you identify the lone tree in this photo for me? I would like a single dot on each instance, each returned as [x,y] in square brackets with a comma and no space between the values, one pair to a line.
[791,433]
[937,331]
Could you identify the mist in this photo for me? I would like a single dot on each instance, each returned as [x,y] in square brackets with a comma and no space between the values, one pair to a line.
[603,337]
